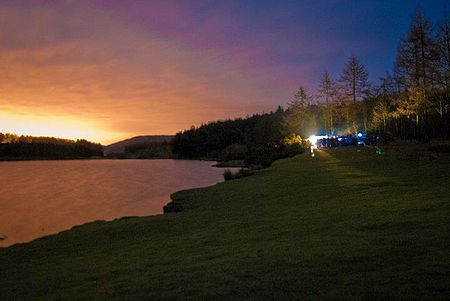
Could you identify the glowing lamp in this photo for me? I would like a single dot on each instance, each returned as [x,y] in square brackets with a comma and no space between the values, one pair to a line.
[313,140]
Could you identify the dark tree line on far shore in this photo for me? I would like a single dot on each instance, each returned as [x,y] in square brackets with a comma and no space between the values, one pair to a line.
[149,150]
[29,147]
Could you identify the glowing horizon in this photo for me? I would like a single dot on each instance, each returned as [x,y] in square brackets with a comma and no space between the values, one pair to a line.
[108,70]
[58,127]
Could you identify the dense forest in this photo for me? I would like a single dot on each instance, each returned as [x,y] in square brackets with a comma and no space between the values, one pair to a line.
[258,140]
[29,147]
[411,103]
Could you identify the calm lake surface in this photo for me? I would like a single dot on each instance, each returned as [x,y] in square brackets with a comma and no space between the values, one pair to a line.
[45,197]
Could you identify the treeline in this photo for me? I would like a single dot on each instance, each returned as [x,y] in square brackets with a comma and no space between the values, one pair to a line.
[149,150]
[258,140]
[411,102]
[28,147]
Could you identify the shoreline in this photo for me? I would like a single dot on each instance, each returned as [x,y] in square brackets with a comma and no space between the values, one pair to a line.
[101,158]
[6,236]
[306,226]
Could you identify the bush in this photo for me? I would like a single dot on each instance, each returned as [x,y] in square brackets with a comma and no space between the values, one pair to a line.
[233,152]
[292,150]
[264,156]
[229,175]
[260,156]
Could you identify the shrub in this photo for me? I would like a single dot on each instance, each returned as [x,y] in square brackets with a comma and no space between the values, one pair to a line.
[233,152]
[292,150]
[264,156]
[292,139]
[229,175]
[260,156]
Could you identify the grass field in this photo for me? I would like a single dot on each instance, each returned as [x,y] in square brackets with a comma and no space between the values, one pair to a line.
[345,225]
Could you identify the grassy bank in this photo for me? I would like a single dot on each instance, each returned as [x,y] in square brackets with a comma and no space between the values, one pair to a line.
[346,225]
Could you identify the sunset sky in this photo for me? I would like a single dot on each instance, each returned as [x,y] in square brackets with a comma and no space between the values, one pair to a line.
[108,70]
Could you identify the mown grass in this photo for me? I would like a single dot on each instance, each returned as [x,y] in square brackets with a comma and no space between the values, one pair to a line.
[345,225]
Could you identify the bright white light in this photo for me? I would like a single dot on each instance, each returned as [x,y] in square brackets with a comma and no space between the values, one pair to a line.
[360,134]
[313,140]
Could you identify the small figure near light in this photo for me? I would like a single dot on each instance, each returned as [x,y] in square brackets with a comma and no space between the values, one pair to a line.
[314,140]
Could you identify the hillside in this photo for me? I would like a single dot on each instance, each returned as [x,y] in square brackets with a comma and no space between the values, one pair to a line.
[344,225]
[119,147]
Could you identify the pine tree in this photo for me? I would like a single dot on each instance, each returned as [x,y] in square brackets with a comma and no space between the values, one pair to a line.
[354,80]
[296,118]
[354,86]
[301,98]
[416,68]
[328,92]
[388,86]
[443,53]
[416,55]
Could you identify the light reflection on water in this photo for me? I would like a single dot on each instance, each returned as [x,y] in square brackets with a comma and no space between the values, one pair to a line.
[44,197]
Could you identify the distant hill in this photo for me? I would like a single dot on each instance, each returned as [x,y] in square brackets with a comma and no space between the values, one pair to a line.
[119,147]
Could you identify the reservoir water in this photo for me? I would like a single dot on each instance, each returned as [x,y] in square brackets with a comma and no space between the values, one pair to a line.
[38,198]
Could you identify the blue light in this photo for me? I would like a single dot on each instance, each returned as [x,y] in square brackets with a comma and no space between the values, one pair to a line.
[360,135]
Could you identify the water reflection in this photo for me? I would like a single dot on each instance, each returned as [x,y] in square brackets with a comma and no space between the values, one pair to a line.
[43,197]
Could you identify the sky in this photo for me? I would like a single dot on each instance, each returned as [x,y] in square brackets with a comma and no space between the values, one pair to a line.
[109,70]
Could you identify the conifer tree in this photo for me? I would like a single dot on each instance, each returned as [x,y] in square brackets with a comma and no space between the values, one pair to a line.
[416,55]
[354,86]
[354,80]
[443,53]
[296,118]
[328,92]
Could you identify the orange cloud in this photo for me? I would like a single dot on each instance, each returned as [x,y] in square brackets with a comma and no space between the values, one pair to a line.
[92,74]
